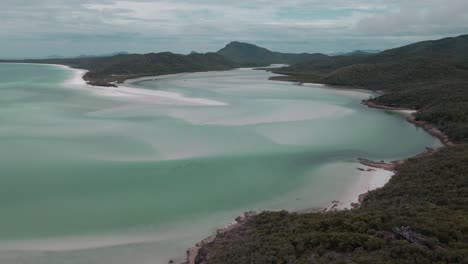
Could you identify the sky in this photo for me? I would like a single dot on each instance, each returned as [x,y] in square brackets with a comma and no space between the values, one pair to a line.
[39,28]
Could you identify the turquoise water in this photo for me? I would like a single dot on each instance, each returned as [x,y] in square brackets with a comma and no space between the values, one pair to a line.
[139,173]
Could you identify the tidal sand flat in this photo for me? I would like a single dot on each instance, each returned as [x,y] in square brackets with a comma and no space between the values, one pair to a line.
[139,173]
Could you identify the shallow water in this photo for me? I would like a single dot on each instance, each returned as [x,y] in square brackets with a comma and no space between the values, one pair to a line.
[139,173]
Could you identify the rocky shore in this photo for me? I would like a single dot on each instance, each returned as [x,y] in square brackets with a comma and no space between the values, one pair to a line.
[431,130]
[412,118]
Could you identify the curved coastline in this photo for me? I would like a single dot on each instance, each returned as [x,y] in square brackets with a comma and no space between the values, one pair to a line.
[369,173]
[78,75]
[126,90]
[429,128]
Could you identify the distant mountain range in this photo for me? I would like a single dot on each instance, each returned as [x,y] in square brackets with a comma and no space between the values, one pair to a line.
[244,53]
[55,56]
[103,55]
[423,61]
[108,69]
[355,52]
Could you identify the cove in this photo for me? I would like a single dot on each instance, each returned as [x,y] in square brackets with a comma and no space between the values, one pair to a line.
[139,173]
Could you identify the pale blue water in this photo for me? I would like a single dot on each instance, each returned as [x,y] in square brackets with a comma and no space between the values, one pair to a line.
[137,174]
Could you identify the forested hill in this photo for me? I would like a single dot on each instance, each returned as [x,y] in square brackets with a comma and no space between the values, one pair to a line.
[420,62]
[430,76]
[106,70]
[454,48]
[252,55]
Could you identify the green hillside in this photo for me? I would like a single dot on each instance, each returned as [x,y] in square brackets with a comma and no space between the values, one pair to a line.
[252,55]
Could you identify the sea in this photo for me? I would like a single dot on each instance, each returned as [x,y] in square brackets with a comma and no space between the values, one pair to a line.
[141,172]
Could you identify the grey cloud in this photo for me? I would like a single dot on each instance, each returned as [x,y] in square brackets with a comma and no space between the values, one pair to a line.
[98,26]
[419,17]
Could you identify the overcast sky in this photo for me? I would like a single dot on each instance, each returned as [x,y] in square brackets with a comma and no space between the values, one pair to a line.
[34,28]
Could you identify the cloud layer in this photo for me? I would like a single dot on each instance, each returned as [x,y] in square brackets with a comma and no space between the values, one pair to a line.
[73,27]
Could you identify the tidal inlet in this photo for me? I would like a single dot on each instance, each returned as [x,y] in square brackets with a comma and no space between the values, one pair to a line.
[140,173]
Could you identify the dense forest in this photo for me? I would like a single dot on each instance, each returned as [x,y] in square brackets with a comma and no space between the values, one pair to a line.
[421,215]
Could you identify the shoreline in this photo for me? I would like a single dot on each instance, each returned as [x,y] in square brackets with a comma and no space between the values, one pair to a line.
[125,89]
[392,166]
[76,79]
[78,75]
[192,253]
[412,118]
[377,179]
[370,177]
[136,80]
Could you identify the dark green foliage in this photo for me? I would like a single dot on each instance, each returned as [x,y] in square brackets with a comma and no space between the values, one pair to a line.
[440,60]
[380,76]
[323,65]
[428,198]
